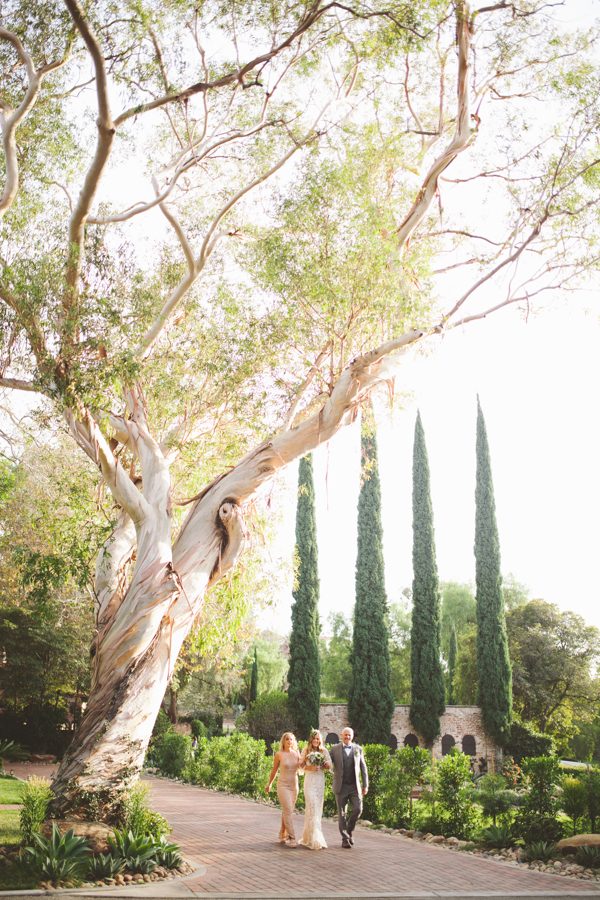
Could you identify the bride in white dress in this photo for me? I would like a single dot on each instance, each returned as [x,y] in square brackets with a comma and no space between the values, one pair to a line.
[315,760]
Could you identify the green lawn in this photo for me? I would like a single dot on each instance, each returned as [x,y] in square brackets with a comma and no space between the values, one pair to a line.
[10,790]
[15,875]
[9,826]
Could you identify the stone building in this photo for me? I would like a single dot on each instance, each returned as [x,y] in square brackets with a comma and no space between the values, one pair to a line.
[460,726]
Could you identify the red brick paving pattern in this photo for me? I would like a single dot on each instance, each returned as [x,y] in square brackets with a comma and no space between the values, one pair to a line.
[235,839]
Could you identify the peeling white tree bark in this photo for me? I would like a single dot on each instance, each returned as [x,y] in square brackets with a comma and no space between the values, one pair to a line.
[140,632]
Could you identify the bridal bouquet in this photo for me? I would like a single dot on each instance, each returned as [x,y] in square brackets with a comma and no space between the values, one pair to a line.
[315,758]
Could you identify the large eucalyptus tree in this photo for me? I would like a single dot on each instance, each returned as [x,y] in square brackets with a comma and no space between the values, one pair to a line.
[143,151]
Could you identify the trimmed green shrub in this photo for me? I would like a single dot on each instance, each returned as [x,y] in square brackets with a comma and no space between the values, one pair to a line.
[573,799]
[494,797]
[236,763]
[212,721]
[35,799]
[525,742]
[139,818]
[591,781]
[173,753]
[199,729]
[536,821]
[162,724]
[454,792]
[269,716]
[376,756]
[401,772]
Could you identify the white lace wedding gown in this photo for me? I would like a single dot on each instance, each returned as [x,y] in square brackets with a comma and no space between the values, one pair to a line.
[314,791]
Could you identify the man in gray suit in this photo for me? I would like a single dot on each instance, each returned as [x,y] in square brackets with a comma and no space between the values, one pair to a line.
[349,768]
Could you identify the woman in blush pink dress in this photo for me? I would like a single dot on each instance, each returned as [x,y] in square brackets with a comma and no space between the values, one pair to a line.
[287,762]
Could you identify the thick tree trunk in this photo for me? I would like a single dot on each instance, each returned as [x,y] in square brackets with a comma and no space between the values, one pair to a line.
[141,633]
[173,705]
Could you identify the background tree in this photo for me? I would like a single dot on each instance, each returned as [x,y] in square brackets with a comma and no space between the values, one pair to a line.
[50,528]
[452,656]
[370,703]
[336,659]
[427,679]
[554,655]
[253,679]
[466,676]
[458,612]
[493,662]
[399,618]
[304,683]
[175,372]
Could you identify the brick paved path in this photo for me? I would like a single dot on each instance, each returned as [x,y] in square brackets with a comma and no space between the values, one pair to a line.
[235,840]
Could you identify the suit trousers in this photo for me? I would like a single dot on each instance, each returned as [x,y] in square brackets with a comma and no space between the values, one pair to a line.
[348,794]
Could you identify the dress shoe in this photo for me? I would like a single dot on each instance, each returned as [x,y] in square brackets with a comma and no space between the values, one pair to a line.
[346,844]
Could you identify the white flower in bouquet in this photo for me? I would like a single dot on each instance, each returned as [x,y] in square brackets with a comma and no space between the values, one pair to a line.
[315,758]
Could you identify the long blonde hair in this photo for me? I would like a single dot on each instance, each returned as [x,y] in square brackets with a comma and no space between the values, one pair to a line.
[313,734]
[291,735]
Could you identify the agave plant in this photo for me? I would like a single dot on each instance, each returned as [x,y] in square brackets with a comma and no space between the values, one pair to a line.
[167,854]
[103,865]
[124,844]
[497,836]
[59,857]
[142,865]
[540,850]
[588,857]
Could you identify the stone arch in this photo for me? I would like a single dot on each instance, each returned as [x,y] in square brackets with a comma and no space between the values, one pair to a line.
[469,745]
[411,740]
[448,743]
[332,738]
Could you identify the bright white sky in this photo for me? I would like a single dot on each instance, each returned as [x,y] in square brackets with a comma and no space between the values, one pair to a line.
[538,384]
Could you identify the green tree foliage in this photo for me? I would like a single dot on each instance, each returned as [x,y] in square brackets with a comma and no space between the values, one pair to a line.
[50,528]
[399,618]
[452,655]
[254,678]
[427,697]
[554,655]
[336,659]
[493,662]
[304,685]
[494,796]
[465,678]
[402,772]
[268,717]
[454,793]
[370,704]
[458,611]
[524,741]
[536,819]
[573,800]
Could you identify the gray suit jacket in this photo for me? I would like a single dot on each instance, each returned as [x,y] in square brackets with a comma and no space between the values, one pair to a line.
[360,766]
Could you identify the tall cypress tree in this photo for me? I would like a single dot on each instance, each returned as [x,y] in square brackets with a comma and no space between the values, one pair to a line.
[304,681]
[493,662]
[427,702]
[370,702]
[452,654]
[254,678]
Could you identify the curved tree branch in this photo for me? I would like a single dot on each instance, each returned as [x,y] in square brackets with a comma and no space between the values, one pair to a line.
[463,135]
